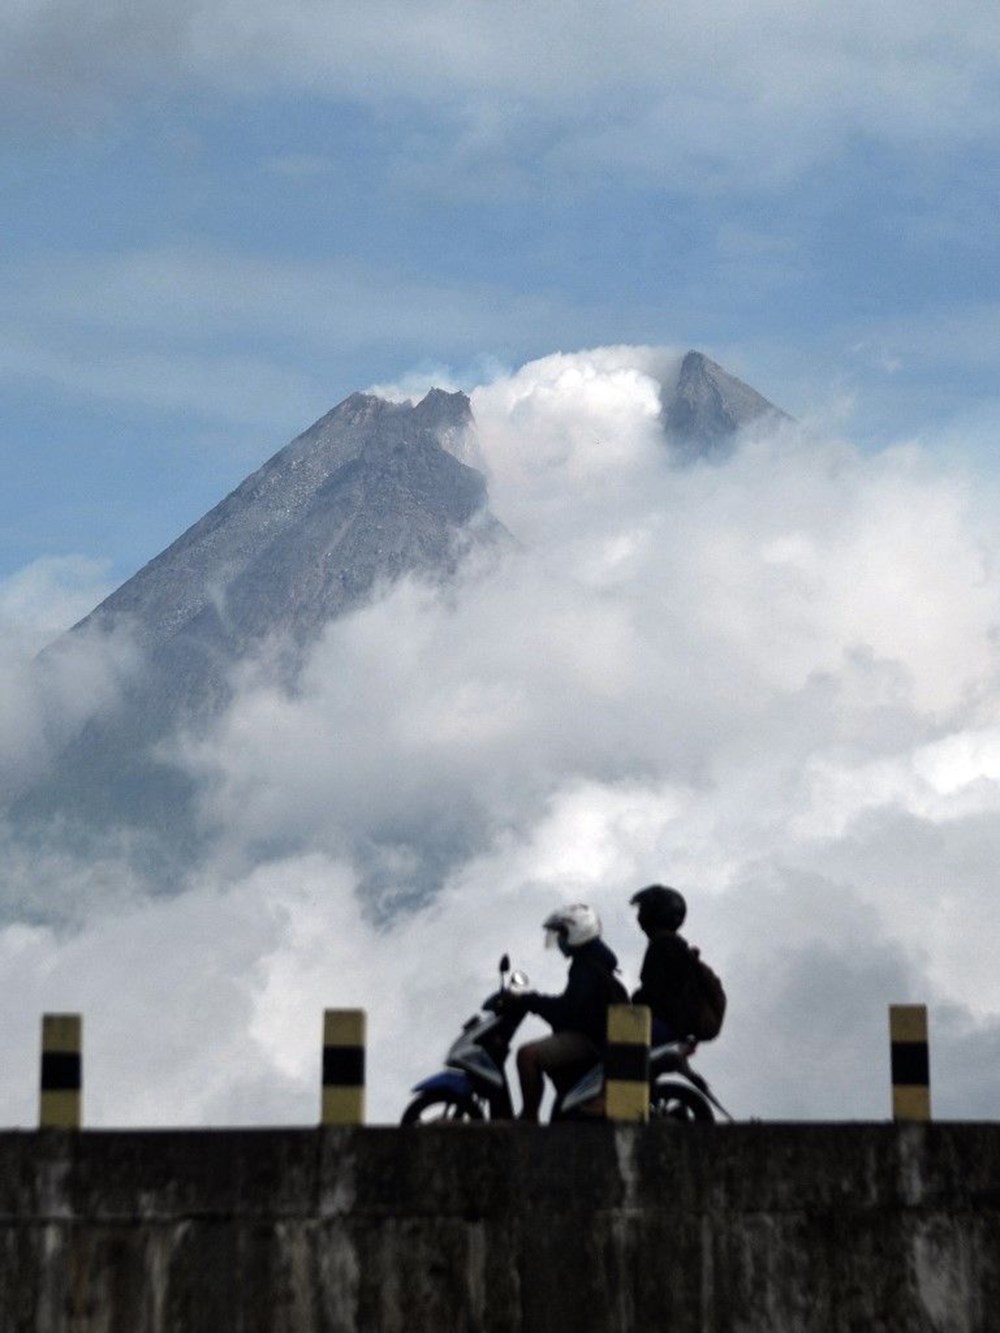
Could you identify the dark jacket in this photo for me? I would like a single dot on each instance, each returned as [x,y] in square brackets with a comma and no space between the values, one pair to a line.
[665,980]
[590,988]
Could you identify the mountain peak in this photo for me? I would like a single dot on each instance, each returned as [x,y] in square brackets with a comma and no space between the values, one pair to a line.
[709,407]
[448,416]
[372,492]
[359,404]
[441,402]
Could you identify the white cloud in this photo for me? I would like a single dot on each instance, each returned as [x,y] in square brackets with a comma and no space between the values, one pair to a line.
[772,681]
[44,702]
[762,90]
[46,597]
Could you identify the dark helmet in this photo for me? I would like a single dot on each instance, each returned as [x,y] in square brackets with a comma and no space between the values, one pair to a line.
[660,907]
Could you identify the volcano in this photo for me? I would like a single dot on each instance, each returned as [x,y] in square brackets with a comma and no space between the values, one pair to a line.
[373,491]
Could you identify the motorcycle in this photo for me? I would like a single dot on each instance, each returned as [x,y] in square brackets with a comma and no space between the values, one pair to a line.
[473,1086]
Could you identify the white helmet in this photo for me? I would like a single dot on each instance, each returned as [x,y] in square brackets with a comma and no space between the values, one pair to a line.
[571,926]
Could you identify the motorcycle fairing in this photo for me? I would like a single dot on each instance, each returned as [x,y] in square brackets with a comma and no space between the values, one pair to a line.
[467,1053]
[476,1027]
[671,1055]
[586,1090]
[448,1080]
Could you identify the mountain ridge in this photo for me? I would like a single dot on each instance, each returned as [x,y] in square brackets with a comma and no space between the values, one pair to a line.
[372,491]
[266,502]
[709,407]
[364,496]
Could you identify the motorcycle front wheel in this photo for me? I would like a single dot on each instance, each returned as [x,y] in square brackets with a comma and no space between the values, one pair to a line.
[676,1101]
[436,1108]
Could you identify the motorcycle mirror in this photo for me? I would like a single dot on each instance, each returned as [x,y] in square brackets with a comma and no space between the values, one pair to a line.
[504,965]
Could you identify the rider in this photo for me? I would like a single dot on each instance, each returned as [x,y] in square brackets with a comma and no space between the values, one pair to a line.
[666,968]
[578,1017]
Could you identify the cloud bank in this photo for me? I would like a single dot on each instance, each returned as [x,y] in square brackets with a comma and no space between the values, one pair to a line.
[763,89]
[45,701]
[772,682]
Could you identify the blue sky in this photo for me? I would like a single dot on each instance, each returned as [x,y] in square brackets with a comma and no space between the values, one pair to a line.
[218,222]
[218,219]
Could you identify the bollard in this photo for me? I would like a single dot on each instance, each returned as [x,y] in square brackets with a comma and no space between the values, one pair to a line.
[627,1063]
[911,1093]
[62,1070]
[343,1067]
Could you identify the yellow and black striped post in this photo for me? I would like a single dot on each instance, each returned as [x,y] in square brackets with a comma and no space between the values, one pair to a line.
[62,1072]
[626,1067]
[911,1078]
[343,1067]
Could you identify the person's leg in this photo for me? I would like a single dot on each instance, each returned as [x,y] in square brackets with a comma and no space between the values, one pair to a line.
[529,1072]
[538,1058]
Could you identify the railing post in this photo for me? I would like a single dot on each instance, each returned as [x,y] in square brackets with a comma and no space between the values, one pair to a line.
[626,1067]
[343,1101]
[62,1072]
[911,1092]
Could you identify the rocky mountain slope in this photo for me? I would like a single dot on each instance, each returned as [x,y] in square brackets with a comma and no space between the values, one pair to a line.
[366,494]
[709,407]
[372,491]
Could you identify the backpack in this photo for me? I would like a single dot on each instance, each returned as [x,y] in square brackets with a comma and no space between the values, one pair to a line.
[706,999]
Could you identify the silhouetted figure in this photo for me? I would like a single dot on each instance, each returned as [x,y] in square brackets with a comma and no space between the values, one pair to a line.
[578,1017]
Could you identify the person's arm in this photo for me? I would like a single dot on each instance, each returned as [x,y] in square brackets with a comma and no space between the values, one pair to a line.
[562,1011]
[547,1007]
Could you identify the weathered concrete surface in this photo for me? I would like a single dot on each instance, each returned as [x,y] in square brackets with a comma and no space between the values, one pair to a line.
[466,1229]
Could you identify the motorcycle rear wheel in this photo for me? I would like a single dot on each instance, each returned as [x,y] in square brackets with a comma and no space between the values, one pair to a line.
[678,1102]
[438,1108]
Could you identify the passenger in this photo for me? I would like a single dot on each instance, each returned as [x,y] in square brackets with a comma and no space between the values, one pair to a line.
[578,1017]
[665,980]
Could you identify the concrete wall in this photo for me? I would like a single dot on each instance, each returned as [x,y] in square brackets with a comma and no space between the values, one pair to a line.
[461,1229]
